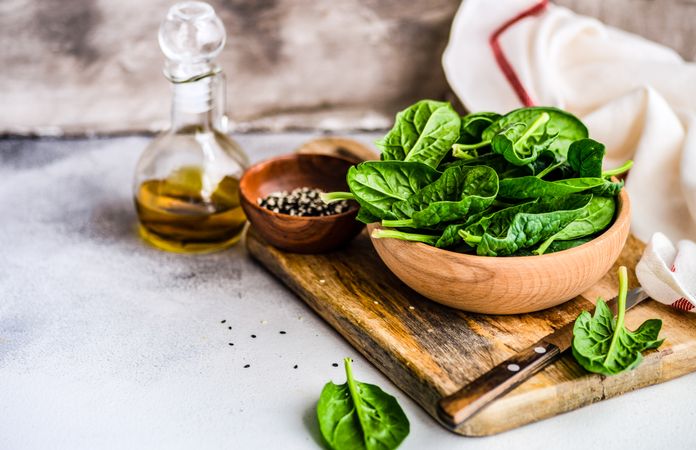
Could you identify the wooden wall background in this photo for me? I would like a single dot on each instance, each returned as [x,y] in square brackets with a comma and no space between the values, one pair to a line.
[93,66]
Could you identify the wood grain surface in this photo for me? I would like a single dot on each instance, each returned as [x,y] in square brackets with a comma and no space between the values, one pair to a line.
[430,350]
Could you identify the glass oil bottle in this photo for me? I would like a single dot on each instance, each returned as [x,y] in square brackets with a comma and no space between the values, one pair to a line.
[186,186]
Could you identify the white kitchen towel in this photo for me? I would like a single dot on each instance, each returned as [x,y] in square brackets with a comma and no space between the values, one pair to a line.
[668,274]
[637,97]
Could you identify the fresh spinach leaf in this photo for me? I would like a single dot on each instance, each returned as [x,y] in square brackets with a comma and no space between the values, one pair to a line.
[476,224]
[534,187]
[496,222]
[601,344]
[423,132]
[585,157]
[492,160]
[557,246]
[625,167]
[608,188]
[384,233]
[464,154]
[473,125]
[366,217]
[523,134]
[600,213]
[548,162]
[329,197]
[584,160]
[520,144]
[377,185]
[566,127]
[497,162]
[507,235]
[355,416]
[448,238]
[460,191]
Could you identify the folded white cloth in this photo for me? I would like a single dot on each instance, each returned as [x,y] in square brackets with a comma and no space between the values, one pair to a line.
[668,274]
[637,97]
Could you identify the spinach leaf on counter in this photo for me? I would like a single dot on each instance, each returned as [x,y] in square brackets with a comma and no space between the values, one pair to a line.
[423,132]
[601,343]
[355,415]
[461,190]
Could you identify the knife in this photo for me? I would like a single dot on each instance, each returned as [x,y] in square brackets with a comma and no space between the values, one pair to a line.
[457,408]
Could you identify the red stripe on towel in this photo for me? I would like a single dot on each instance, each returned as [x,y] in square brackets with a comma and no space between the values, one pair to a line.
[502,60]
[683,305]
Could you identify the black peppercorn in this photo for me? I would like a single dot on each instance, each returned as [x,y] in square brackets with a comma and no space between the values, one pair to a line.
[302,201]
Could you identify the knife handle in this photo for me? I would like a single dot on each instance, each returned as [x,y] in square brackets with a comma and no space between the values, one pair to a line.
[456,408]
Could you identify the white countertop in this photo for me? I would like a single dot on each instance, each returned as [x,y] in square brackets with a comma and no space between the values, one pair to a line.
[108,343]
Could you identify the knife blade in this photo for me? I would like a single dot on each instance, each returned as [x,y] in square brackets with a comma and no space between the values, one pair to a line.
[455,409]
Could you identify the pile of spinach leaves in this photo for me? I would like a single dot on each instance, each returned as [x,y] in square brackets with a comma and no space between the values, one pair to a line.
[527,182]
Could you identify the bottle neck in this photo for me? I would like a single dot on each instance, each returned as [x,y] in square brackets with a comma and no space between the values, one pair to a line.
[195,104]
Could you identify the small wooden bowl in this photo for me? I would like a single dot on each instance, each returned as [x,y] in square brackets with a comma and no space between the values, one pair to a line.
[292,233]
[505,285]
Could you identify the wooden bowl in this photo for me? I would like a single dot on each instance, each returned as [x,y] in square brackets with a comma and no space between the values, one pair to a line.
[505,285]
[292,233]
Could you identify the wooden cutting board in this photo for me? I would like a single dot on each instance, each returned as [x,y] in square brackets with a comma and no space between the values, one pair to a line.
[430,351]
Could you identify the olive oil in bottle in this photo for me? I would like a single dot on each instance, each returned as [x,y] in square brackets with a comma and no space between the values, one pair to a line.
[175,216]
[186,187]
